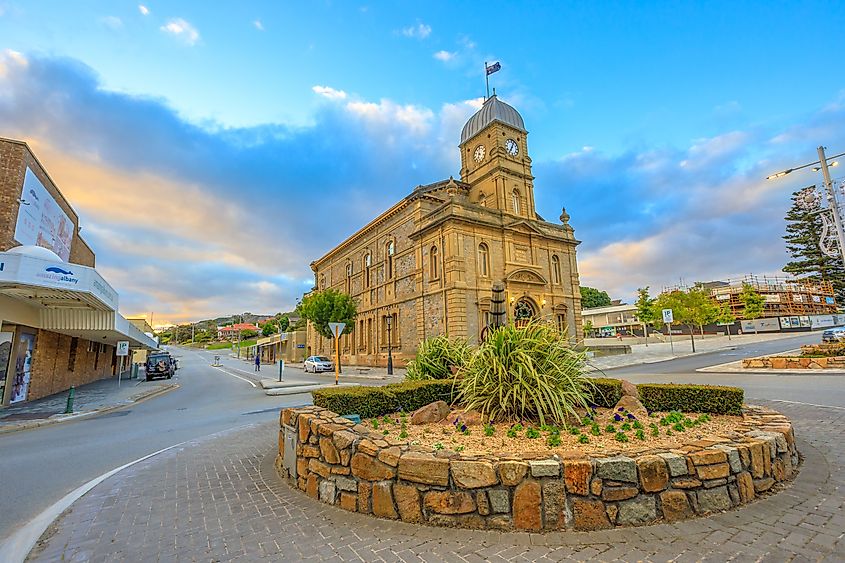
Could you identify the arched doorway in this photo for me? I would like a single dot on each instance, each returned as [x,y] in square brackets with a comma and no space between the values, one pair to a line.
[523,311]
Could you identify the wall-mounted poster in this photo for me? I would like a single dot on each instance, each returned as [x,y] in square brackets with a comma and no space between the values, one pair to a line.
[5,356]
[23,368]
[41,221]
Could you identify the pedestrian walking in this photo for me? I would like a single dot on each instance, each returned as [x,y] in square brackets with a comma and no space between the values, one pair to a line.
[257,362]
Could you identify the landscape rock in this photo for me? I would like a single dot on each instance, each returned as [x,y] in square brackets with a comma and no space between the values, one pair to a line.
[470,418]
[499,500]
[545,468]
[640,510]
[473,474]
[430,413]
[383,500]
[554,505]
[633,406]
[629,389]
[713,500]
[654,475]
[526,506]
[424,468]
[589,515]
[408,502]
[676,506]
[368,468]
[617,469]
[512,472]
[577,474]
[449,502]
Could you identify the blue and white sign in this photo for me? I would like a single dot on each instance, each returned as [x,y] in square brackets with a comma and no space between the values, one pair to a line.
[41,222]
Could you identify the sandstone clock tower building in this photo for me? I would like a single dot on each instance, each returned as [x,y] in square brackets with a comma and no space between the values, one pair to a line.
[426,266]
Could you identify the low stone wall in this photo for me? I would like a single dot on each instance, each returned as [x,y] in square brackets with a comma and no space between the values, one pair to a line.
[361,470]
[795,362]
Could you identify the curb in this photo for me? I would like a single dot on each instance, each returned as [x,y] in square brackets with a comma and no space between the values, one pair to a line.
[87,414]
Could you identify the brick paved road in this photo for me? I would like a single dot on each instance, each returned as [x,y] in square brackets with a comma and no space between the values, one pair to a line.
[219,499]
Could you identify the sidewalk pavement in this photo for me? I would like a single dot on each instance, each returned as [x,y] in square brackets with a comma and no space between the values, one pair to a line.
[93,398]
[662,351]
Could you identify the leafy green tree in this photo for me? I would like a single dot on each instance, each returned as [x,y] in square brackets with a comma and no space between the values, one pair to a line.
[284,323]
[678,301]
[329,306]
[588,329]
[591,297]
[802,242]
[752,303]
[726,317]
[246,334]
[269,328]
[647,313]
[700,306]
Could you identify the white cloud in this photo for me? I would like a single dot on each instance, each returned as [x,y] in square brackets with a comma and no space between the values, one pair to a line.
[444,56]
[144,10]
[418,31]
[329,92]
[10,59]
[183,29]
[112,22]
[258,25]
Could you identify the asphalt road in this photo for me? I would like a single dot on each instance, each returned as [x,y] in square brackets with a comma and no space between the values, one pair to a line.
[40,466]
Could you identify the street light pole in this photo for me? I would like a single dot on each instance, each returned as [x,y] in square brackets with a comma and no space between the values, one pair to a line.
[389,347]
[833,201]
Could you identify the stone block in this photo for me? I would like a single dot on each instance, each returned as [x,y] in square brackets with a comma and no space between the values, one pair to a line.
[686,483]
[383,500]
[745,484]
[473,474]
[675,505]
[677,464]
[368,447]
[654,476]
[762,485]
[346,484]
[340,470]
[471,521]
[390,456]
[577,474]
[713,500]
[502,523]
[596,486]
[499,500]
[714,483]
[733,457]
[349,501]
[612,512]
[617,469]
[554,505]
[328,492]
[640,510]
[343,439]
[329,451]
[545,468]
[482,503]
[304,423]
[511,473]
[449,502]
[757,465]
[778,470]
[310,451]
[302,466]
[320,468]
[588,514]
[526,506]
[311,486]
[368,468]
[408,502]
[424,468]
[717,471]
[364,496]
[619,493]
[708,457]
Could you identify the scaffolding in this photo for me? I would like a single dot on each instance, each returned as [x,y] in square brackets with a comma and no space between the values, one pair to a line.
[782,296]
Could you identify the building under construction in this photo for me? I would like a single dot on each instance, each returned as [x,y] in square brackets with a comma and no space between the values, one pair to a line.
[783,297]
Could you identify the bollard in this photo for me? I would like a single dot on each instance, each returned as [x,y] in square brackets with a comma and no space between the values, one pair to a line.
[70,394]
[281,370]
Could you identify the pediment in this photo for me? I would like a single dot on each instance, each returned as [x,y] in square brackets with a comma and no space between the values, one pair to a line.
[524,226]
[526,276]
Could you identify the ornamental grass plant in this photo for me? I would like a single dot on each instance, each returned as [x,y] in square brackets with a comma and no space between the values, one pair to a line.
[526,373]
[437,356]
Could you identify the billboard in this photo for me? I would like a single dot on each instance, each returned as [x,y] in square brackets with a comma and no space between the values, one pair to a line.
[41,222]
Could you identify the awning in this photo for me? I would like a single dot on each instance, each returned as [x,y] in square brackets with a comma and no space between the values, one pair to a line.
[69,298]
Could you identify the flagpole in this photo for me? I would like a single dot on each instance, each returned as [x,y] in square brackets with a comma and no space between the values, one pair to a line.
[487,79]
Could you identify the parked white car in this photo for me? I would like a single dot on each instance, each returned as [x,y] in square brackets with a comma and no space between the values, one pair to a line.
[834,334]
[316,364]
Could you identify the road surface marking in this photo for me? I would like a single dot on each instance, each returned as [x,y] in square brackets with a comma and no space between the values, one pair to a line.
[800,403]
[233,375]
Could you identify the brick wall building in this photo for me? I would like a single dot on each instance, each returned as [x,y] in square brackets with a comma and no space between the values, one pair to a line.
[58,318]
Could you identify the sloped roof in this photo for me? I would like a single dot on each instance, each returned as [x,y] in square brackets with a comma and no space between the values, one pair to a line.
[493,110]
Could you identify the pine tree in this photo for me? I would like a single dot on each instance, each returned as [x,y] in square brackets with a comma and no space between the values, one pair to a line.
[802,242]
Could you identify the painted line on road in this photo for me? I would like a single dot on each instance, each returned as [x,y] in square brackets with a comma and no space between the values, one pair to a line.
[233,375]
[16,547]
[799,403]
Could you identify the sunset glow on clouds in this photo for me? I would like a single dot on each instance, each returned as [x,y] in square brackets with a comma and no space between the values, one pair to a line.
[210,177]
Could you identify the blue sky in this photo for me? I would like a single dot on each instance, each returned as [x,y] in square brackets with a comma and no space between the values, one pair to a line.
[653,123]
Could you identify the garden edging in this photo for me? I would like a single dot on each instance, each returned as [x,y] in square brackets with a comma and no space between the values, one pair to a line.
[352,466]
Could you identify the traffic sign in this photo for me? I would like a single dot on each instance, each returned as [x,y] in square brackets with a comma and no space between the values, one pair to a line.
[123,348]
[337,329]
[668,316]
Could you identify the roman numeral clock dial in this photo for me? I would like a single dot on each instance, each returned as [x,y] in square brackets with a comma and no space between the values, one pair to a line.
[512,147]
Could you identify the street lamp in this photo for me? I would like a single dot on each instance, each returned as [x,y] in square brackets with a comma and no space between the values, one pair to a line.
[389,318]
[832,245]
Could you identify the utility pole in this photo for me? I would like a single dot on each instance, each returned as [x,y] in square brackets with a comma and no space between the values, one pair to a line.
[192,333]
[834,203]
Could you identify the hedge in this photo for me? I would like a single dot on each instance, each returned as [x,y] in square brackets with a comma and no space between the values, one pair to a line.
[691,398]
[369,402]
[608,391]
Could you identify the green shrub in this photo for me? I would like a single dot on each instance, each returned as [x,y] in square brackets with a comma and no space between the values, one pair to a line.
[607,391]
[369,402]
[528,372]
[691,398]
[436,356]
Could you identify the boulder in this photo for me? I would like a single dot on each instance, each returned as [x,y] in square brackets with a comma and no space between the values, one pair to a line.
[629,389]
[631,405]
[470,418]
[432,412]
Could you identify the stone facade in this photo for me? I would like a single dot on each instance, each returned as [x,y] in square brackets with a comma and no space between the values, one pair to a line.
[429,262]
[795,362]
[361,470]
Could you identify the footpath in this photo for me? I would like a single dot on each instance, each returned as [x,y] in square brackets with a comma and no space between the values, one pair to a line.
[91,399]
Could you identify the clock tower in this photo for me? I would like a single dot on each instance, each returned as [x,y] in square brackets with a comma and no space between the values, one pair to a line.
[495,161]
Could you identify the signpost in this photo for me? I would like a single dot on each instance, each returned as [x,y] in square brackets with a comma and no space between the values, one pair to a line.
[337,330]
[668,319]
[122,352]
[281,370]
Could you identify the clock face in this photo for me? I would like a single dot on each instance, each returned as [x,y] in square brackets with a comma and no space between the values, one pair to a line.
[512,147]
[479,153]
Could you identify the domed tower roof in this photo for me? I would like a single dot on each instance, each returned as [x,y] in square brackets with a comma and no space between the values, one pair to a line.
[493,110]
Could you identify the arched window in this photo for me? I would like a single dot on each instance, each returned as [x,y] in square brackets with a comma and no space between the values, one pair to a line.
[556,270]
[433,264]
[368,261]
[483,260]
[349,272]
[515,202]
[390,251]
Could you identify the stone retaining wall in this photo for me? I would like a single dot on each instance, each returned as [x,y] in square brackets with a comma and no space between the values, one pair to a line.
[795,362]
[361,470]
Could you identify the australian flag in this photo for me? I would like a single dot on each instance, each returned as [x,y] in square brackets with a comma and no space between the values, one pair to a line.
[495,67]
